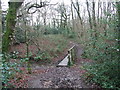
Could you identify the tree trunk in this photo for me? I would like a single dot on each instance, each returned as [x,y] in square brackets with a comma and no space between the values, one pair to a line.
[98,12]
[101,15]
[0,28]
[72,17]
[54,23]
[94,24]
[93,15]
[44,18]
[106,17]
[10,25]
[77,8]
[118,34]
[90,20]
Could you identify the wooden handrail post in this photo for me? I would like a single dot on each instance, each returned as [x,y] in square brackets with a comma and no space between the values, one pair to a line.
[71,56]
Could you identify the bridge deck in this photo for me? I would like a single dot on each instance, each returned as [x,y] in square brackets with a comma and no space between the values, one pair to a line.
[64,62]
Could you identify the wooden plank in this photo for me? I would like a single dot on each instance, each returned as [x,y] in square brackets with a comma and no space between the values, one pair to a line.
[64,62]
[71,48]
[69,58]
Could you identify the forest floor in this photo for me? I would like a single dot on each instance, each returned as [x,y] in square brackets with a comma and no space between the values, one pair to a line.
[51,76]
[61,77]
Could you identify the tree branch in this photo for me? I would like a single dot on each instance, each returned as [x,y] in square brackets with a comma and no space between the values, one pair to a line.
[42,4]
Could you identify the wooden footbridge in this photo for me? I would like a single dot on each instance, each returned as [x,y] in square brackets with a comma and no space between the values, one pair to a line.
[70,58]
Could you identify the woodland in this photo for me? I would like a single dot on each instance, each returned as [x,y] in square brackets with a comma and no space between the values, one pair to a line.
[36,35]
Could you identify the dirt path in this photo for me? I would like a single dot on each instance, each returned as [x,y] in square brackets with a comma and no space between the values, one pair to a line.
[59,77]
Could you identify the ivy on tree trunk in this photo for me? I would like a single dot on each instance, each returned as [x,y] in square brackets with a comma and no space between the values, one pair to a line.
[10,25]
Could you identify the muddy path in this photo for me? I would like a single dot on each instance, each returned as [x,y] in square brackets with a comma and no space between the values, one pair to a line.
[60,77]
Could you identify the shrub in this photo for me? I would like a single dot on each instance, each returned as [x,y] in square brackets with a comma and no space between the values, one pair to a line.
[42,56]
[105,70]
[9,70]
[52,31]
[20,35]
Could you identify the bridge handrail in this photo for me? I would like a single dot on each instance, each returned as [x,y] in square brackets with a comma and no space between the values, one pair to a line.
[71,57]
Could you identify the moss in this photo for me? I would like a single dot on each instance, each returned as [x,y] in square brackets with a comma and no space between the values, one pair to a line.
[10,24]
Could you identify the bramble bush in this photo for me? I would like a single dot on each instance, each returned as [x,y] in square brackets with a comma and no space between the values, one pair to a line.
[105,68]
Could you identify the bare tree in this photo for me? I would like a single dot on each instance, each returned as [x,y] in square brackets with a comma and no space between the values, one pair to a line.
[10,21]
[93,14]
[94,23]
[72,16]
[43,13]
[77,8]
[101,9]
[64,15]
[107,14]
[90,19]
[80,26]
[98,14]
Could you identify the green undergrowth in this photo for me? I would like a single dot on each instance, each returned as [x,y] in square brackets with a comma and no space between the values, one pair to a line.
[104,70]
[58,44]
[104,52]
[10,68]
[54,47]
